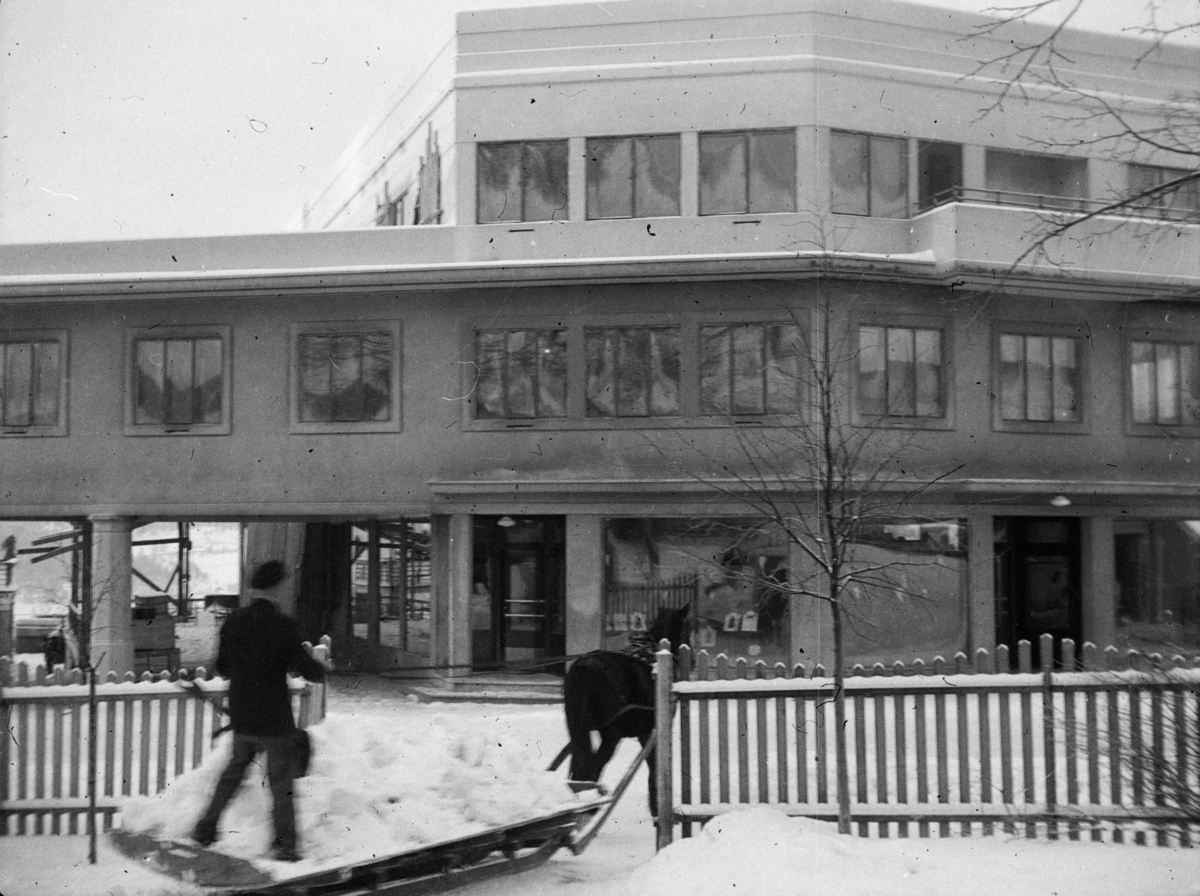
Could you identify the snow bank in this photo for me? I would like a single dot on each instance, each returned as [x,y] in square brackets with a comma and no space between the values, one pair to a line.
[374,789]
[762,850]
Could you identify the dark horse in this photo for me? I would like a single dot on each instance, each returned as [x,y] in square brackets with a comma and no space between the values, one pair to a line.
[612,692]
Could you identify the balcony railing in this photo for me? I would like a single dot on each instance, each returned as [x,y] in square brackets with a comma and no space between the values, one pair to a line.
[1184,212]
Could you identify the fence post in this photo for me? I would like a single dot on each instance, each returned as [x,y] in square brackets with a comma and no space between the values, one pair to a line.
[663,760]
[1046,649]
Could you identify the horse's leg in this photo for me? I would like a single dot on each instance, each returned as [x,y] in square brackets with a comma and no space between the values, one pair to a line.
[651,766]
[608,746]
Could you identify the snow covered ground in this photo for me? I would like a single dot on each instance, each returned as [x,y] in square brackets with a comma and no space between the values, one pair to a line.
[389,773]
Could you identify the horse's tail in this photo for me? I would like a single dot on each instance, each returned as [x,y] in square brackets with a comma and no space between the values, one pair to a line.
[577,694]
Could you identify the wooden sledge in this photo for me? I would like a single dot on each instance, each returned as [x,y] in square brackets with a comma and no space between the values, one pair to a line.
[187,861]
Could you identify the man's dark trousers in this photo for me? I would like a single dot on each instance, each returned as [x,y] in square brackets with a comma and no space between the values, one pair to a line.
[279,773]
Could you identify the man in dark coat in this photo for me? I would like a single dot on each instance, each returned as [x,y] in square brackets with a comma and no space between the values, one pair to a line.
[259,646]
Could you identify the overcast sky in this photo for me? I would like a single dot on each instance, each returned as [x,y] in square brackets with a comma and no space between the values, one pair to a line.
[124,119]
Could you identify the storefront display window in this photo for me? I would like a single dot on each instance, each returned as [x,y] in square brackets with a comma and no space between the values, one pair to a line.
[912,601]
[731,572]
[1157,571]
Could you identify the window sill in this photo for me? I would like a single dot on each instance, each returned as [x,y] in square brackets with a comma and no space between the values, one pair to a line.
[1044,427]
[211,429]
[343,426]
[1163,430]
[921,423]
[32,432]
[620,423]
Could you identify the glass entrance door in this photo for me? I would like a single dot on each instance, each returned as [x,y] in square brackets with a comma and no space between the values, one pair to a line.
[518,594]
[1037,582]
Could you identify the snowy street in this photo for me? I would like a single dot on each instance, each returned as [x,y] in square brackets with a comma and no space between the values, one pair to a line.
[389,772]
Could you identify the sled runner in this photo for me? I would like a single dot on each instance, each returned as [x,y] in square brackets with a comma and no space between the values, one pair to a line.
[187,861]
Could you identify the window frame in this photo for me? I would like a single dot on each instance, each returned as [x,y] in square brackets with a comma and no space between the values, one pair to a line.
[589,213]
[802,321]
[745,134]
[471,375]
[621,333]
[394,330]
[1083,367]
[910,207]
[1154,429]
[133,335]
[913,322]
[62,337]
[523,145]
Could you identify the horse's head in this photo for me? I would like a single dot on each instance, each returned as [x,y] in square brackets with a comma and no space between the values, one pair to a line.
[671,624]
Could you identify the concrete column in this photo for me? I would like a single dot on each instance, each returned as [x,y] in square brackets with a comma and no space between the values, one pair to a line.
[577,178]
[439,589]
[112,594]
[463,166]
[458,593]
[812,621]
[981,588]
[585,583]
[812,171]
[1097,580]
[689,174]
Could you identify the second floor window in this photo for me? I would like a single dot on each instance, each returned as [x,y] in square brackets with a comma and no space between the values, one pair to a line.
[1164,383]
[30,383]
[632,371]
[633,177]
[900,372]
[525,181]
[521,374]
[345,377]
[179,381]
[747,172]
[870,175]
[750,369]
[1039,378]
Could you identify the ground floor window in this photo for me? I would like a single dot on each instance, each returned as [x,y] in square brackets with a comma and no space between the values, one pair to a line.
[911,602]
[731,572]
[1157,572]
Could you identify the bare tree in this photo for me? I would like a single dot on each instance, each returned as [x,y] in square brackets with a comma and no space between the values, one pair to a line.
[1041,62]
[823,480]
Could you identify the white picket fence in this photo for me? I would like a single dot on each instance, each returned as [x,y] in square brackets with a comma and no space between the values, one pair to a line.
[149,730]
[1106,754]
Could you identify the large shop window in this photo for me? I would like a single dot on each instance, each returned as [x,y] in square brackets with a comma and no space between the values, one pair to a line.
[910,599]
[522,181]
[347,377]
[1039,378]
[747,172]
[32,383]
[900,372]
[1157,572]
[520,374]
[632,371]
[633,177]
[750,369]
[180,382]
[729,571]
[870,175]
[1164,383]
[1026,178]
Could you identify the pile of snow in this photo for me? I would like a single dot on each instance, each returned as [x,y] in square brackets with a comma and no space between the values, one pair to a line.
[372,790]
[762,850]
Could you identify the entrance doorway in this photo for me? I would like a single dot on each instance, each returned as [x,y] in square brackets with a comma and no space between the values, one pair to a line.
[1037,582]
[518,590]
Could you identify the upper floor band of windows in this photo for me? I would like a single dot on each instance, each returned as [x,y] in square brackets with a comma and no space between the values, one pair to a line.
[762,171]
